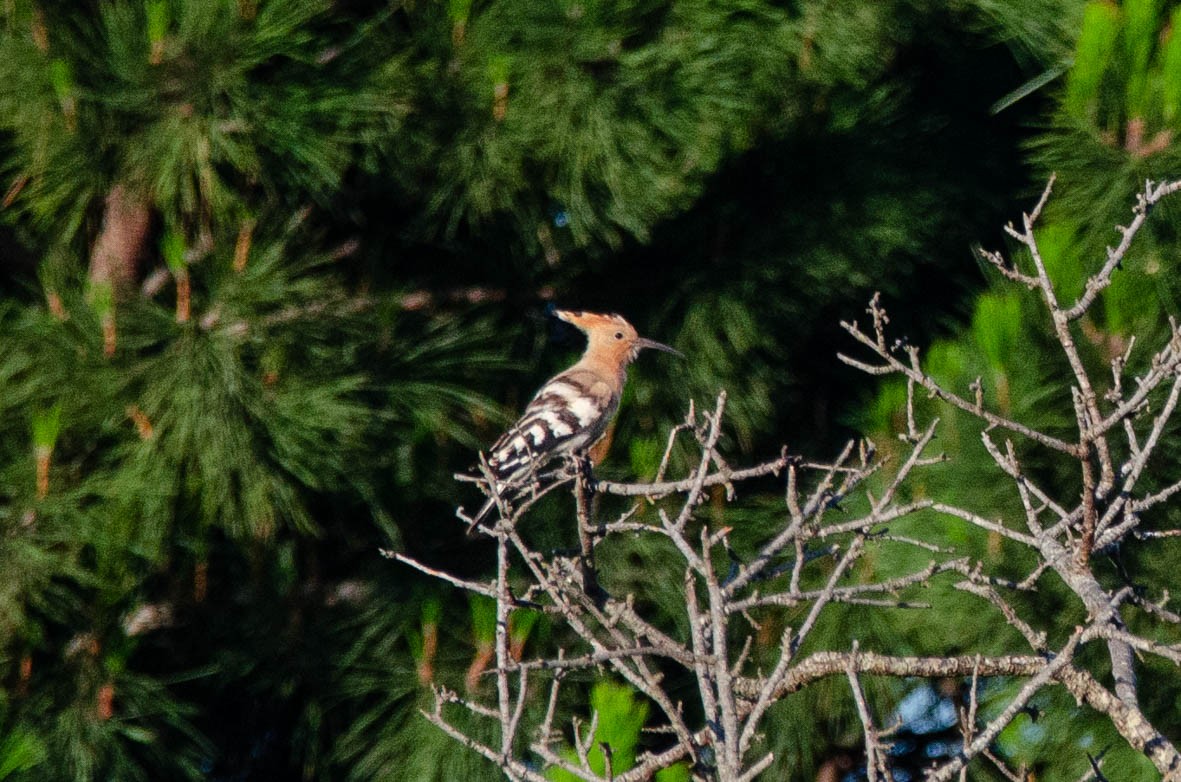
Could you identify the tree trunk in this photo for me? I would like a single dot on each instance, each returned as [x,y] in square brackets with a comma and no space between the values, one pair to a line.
[117,251]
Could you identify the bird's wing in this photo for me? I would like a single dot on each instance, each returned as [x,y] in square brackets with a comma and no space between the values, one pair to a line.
[569,413]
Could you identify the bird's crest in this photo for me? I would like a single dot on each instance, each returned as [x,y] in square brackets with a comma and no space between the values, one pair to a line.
[594,320]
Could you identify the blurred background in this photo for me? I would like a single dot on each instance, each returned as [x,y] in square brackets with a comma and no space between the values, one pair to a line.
[272,270]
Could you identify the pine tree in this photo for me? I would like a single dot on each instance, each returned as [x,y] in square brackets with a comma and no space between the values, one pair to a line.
[268,264]
[1110,129]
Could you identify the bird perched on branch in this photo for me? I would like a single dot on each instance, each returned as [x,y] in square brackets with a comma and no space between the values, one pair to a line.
[573,410]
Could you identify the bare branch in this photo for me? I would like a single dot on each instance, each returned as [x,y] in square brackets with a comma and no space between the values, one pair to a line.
[817,553]
[1098,282]
[993,729]
[468,586]
[912,371]
[875,757]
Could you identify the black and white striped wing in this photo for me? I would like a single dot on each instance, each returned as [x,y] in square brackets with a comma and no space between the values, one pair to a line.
[568,414]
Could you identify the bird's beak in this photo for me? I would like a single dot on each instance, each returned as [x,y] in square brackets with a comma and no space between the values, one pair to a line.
[651,343]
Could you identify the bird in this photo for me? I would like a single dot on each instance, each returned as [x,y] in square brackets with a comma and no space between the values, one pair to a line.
[572,411]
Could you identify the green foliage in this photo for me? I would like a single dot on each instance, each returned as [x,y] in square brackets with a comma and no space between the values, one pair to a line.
[155,737]
[619,718]
[388,739]
[235,425]
[434,367]
[483,610]
[199,106]
[1116,124]
[47,427]
[172,248]
[354,189]
[996,326]
[21,749]
[649,99]
[522,624]
[1171,70]
[1039,31]
[1109,132]
[1056,733]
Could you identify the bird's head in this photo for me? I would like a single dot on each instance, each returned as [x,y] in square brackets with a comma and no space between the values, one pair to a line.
[611,336]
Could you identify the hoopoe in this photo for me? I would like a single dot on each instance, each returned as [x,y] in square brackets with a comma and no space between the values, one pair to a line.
[572,411]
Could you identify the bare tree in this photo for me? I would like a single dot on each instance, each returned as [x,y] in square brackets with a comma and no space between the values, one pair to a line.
[808,563]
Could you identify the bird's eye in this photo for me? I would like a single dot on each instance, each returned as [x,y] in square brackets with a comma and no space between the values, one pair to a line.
[619,335]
